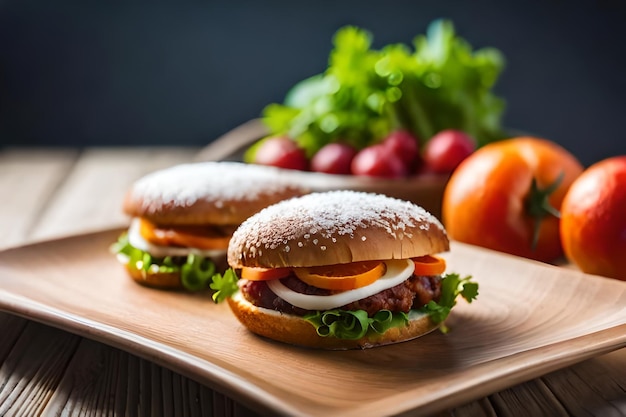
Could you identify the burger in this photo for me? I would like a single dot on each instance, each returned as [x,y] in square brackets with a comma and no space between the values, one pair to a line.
[182,219]
[340,270]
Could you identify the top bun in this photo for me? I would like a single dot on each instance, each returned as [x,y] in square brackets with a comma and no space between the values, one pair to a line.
[218,193]
[335,227]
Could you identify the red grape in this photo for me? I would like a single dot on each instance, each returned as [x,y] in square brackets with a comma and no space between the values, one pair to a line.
[445,151]
[378,161]
[281,152]
[334,158]
[404,144]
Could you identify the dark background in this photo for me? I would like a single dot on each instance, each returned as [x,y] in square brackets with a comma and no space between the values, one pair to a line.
[183,73]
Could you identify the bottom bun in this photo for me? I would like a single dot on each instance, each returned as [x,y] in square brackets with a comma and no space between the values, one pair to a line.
[165,280]
[292,329]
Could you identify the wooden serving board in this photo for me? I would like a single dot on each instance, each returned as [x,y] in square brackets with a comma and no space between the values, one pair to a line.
[529,319]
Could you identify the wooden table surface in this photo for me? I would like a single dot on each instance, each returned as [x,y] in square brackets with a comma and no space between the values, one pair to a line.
[46,371]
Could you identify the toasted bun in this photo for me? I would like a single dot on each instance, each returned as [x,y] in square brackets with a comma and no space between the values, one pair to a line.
[295,331]
[219,193]
[333,228]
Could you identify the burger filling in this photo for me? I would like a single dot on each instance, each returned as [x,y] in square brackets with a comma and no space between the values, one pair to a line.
[150,249]
[406,289]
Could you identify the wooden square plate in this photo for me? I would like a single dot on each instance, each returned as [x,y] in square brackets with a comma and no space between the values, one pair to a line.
[529,319]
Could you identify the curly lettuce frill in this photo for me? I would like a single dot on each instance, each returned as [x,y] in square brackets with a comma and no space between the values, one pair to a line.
[354,325]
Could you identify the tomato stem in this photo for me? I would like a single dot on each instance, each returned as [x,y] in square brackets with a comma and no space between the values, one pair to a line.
[538,205]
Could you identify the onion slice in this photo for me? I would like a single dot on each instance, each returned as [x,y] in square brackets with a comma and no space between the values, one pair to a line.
[398,271]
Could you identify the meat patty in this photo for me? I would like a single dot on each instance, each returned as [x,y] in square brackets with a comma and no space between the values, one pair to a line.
[413,293]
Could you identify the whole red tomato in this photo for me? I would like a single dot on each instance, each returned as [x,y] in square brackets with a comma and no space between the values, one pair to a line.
[506,197]
[593,219]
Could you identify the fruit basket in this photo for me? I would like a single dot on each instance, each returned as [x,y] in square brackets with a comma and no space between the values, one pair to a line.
[425,189]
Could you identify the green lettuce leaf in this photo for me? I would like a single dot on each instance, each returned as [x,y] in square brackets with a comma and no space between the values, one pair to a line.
[452,286]
[195,271]
[224,285]
[353,325]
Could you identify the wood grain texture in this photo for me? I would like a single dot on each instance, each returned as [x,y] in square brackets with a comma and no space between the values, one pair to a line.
[607,378]
[111,381]
[12,329]
[27,383]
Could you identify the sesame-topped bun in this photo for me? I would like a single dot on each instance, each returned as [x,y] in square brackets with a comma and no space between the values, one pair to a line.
[335,228]
[207,193]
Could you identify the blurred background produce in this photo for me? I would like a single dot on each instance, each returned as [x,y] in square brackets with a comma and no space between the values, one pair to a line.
[183,73]
[383,106]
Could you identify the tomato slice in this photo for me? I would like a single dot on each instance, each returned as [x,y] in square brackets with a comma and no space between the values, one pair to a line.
[263,274]
[342,277]
[201,237]
[429,265]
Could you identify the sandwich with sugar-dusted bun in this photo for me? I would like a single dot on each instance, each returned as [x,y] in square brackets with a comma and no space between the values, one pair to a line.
[340,270]
[182,219]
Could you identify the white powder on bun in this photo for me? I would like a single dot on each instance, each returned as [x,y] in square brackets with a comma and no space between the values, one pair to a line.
[216,181]
[336,227]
